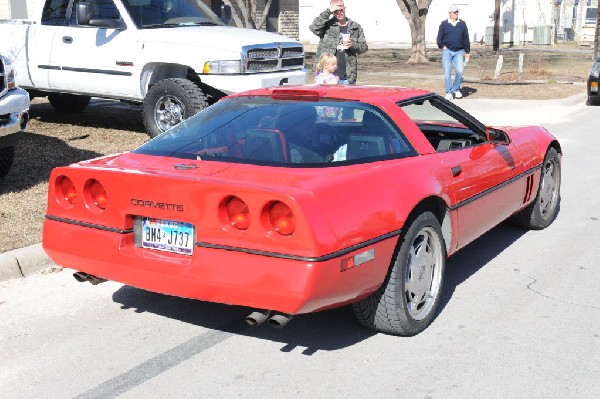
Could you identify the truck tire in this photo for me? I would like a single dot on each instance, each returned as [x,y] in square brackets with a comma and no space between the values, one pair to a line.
[68,103]
[7,155]
[169,102]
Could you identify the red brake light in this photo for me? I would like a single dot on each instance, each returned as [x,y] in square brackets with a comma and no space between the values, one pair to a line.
[65,190]
[238,213]
[95,194]
[282,219]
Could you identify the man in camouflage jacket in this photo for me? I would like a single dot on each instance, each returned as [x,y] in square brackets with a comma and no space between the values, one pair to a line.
[345,48]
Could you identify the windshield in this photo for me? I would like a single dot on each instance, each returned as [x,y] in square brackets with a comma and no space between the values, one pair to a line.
[264,130]
[163,13]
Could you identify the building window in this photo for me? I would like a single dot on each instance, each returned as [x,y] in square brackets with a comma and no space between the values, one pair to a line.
[591,15]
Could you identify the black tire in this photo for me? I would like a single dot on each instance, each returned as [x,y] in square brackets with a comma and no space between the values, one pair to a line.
[543,210]
[169,102]
[406,302]
[68,103]
[7,156]
[593,100]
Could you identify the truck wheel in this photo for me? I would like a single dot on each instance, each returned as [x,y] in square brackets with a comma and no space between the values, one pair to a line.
[63,102]
[169,102]
[7,155]
[405,303]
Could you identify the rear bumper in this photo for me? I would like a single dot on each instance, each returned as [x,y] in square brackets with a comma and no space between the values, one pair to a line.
[218,275]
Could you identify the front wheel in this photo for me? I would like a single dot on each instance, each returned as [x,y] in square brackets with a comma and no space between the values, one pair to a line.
[405,304]
[169,102]
[543,210]
[67,103]
[7,156]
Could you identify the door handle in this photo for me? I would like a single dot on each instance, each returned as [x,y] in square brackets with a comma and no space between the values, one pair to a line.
[456,170]
[67,39]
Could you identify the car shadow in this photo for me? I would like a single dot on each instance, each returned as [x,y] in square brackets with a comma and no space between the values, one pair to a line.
[469,260]
[35,157]
[99,113]
[328,330]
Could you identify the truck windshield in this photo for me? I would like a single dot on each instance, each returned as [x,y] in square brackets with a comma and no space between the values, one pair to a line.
[157,13]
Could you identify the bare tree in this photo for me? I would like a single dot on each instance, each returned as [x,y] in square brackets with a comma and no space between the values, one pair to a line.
[496,38]
[244,14]
[415,12]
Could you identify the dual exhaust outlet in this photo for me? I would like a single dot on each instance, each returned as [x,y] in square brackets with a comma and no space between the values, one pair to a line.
[255,318]
[276,320]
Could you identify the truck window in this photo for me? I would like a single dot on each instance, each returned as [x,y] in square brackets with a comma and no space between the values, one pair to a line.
[54,12]
[101,9]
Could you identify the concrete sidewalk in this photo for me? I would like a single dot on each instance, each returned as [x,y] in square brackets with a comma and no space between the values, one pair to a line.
[32,259]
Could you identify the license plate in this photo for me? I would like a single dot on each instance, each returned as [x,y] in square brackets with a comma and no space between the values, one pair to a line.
[168,235]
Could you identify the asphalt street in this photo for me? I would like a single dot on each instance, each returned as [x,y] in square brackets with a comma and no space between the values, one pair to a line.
[519,317]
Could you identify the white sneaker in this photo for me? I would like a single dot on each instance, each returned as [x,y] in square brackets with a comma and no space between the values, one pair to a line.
[457,94]
[449,96]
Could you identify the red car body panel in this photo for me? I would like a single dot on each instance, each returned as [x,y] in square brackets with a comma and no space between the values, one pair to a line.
[340,212]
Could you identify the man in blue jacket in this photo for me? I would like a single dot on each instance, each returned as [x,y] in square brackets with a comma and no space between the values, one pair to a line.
[453,40]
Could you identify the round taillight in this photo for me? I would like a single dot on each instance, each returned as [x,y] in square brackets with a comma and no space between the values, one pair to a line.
[95,194]
[282,219]
[65,190]
[238,213]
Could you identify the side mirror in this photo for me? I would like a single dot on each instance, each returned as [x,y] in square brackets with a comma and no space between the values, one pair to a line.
[497,136]
[226,14]
[83,14]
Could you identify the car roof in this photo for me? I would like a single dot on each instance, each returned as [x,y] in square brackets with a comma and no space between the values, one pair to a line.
[367,94]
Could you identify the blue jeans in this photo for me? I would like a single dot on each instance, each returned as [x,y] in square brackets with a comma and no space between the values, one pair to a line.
[450,58]
[345,82]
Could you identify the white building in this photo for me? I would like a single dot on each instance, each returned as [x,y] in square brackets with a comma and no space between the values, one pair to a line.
[383,21]
[535,21]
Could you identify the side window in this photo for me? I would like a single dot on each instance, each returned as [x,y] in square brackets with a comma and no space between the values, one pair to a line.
[101,9]
[54,12]
[444,129]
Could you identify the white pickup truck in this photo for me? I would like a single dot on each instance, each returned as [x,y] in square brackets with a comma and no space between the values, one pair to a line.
[174,56]
[14,103]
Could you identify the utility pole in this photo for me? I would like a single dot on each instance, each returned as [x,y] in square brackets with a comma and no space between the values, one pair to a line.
[496,44]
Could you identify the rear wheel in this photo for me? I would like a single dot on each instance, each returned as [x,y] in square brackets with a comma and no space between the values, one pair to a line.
[543,210]
[406,302]
[63,102]
[169,102]
[7,156]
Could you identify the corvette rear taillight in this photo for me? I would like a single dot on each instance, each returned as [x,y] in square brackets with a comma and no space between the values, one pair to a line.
[95,195]
[238,214]
[282,218]
[65,191]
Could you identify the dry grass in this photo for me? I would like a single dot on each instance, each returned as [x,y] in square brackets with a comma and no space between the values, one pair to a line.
[54,139]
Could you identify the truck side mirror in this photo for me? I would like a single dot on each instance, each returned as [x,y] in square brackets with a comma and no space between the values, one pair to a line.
[226,14]
[83,13]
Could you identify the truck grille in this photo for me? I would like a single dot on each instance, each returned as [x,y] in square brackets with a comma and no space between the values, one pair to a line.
[271,57]
[3,82]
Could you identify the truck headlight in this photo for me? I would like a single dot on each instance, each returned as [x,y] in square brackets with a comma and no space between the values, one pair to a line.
[222,67]
[595,72]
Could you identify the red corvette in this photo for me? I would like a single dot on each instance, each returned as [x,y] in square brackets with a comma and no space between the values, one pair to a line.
[292,200]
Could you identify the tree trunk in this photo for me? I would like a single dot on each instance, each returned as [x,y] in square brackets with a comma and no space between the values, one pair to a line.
[415,12]
[244,15]
[496,39]
[597,35]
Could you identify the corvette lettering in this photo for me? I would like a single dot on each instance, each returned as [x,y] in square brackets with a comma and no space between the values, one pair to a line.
[160,205]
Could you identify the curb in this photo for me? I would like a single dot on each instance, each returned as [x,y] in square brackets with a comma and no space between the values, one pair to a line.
[23,262]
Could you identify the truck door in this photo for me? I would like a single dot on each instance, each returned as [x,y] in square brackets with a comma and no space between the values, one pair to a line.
[97,60]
